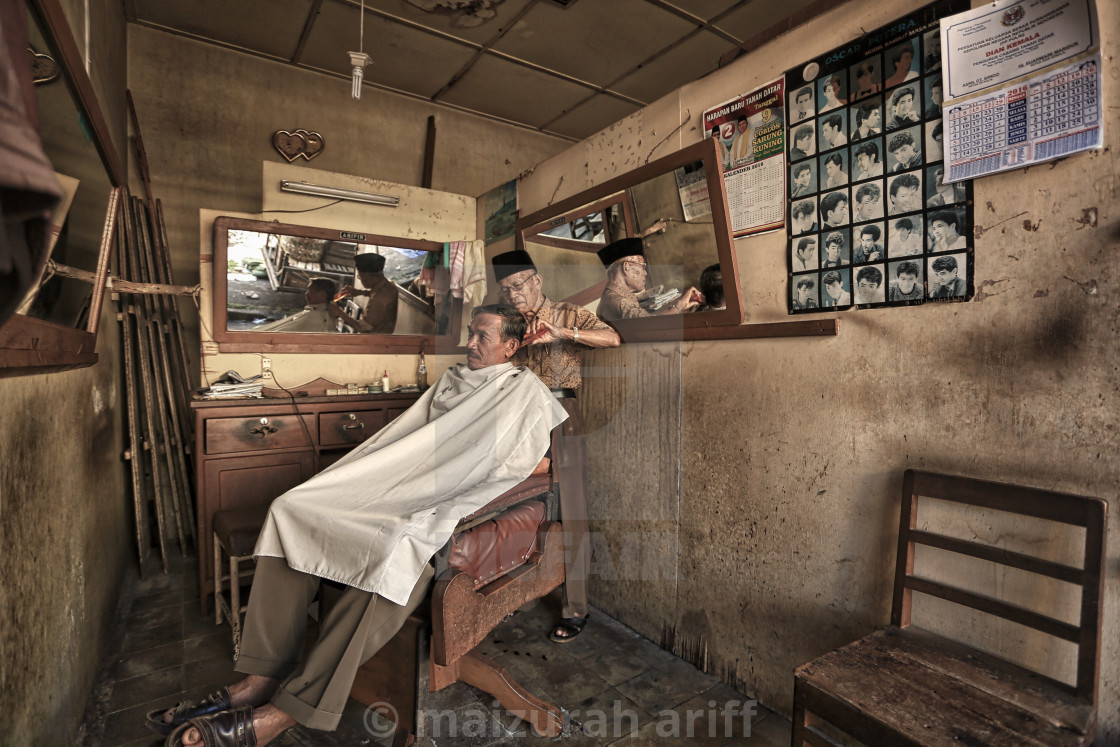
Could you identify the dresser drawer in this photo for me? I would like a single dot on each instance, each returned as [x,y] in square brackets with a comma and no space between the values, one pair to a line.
[261,432]
[349,426]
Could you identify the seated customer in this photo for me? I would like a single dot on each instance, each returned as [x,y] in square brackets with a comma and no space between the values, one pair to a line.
[373,521]
[319,315]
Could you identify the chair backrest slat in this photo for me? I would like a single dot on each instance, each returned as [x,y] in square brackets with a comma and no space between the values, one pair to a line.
[1008,558]
[1090,513]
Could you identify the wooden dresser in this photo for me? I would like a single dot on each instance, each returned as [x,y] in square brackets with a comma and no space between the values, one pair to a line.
[249,451]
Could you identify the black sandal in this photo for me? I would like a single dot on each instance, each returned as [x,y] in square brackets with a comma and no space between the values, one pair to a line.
[570,627]
[215,702]
[226,729]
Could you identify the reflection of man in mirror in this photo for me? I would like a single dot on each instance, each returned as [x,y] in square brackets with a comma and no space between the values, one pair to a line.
[380,313]
[319,315]
[487,424]
[626,275]
[555,338]
[711,287]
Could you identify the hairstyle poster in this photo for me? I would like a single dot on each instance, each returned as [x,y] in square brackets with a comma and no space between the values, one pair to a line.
[871,221]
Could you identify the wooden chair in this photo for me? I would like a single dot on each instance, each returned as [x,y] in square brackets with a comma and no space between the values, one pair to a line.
[505,555]
[906,686]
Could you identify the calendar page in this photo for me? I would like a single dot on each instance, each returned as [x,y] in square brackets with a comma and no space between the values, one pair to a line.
[1023,83]
[751,132]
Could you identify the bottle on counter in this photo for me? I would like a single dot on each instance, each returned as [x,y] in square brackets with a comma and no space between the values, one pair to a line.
[422,374]
[385,381]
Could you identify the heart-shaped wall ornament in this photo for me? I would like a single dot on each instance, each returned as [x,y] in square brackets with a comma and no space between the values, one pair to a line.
[298,144]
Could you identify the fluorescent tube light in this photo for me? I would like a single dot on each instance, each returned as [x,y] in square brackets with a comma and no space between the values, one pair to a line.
[318,190]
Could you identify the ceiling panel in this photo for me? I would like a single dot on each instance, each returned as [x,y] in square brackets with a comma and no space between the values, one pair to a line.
[755,17]
[272,27]
[403,58]
[587,41]
[693,59]
[514,92]
[587,118]
[706,9]
[480,27]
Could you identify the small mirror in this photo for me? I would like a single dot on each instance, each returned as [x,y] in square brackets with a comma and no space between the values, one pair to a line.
[678,205]
[279,286]
[55,325]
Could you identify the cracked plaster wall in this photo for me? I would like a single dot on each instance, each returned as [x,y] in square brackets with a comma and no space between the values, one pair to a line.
[777,505]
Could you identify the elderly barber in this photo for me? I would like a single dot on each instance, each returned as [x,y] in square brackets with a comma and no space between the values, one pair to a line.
[372,521]
[557,335]
[626,275]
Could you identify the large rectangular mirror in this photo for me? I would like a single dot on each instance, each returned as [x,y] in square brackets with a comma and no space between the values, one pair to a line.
[678,205]
[55,326]
[288,288]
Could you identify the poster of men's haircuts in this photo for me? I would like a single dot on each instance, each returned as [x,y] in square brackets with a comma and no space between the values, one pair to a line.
[750,131]
[872,222]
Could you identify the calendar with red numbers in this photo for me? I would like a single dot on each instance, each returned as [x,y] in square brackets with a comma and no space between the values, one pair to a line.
[1022,80]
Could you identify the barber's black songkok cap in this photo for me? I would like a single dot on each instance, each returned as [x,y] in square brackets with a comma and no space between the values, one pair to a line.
[511,263]
[629,247]
[369,262]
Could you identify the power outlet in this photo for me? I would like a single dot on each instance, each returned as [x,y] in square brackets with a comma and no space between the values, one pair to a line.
[266,368]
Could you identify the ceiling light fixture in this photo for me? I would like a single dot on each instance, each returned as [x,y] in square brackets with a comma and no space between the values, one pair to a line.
[317,190]
[359,59]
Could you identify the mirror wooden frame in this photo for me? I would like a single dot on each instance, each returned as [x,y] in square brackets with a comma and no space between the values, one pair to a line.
[306,342]
[686,326]
[33,346]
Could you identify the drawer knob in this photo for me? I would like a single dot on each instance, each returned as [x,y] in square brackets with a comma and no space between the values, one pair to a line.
[264,429]
[348,427]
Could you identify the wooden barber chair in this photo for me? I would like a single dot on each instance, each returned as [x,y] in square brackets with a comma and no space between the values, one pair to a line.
[503,556]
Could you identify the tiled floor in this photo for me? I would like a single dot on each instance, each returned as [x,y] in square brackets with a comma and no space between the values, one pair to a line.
[615,686]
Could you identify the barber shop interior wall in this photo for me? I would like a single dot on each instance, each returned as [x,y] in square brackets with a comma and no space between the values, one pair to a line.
[65,511]
[207,117]
[784,485]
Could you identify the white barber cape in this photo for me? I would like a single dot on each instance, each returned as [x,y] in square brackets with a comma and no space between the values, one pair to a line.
[375,518]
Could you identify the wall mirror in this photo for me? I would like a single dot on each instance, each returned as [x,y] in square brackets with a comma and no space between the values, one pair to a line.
[55,326]
[679,205]
[275,285]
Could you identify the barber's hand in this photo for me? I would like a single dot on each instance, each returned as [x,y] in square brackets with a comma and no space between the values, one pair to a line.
[689,301]
[349,290]
[540,332]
